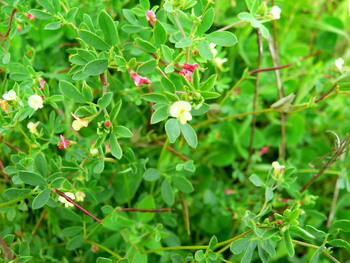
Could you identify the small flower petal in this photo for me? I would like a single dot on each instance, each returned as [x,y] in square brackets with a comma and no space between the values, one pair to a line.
[339,63]
[64,200]
[11,95]
[80,196]
[35,102]
[275,12]
[181,110]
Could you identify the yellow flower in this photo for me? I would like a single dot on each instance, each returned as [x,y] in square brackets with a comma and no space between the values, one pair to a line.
[11,95]
[80,196]
[79,122]
[181,110]
[35,102]
[32,127]
[64,200]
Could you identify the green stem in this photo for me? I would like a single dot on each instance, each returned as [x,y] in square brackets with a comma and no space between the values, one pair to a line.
[14,201]
[176,17]
[174,248]
[160,161]
[228,94]
[104,248]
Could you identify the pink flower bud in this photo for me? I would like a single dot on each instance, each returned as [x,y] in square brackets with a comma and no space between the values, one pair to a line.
[139,80]
[31,17]
[230,191]
[42,83]
[279,222]
[151,17]
[264,150]
[190,67]
[107,123]
[19,28]
[187,74]
[64,143]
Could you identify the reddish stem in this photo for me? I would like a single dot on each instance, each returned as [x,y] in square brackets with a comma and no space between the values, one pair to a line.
[144,210]
[85,211]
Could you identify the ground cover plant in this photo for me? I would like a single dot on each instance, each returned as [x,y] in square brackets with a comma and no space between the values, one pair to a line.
[174,131]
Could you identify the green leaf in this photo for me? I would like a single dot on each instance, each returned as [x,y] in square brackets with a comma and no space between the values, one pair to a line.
[105,100]
[13,193]
[171,97]
[342,225]
[75,242]
[207,21]
[40,14]
[96,67]
[237,247]
[315,232]
[183,184]
[93,40]
[167,53]
[155,97]
[151,175]
[213,242]
[53,26]
[223,38]
[189,134]
[301,232]
[122,131]
[71,92]
[87,92]
[46,4]
[71,14]
[209,83]
[268,194]
[167,192]
[159,34]
[184,42]
[108,28]
[199,255]
[339,243]
[41,199]
[288,243]
[71,231]
[248,254]
[103,260]
[145,4]
[145,45]
[99,167]
[210,95]
[172,128]
[41,164]
[168,85]
[147,203]
[255,180]
[32,178]
[147,67]
[115,111]
[116,150]
[316,255]
[270,233]
[160,114]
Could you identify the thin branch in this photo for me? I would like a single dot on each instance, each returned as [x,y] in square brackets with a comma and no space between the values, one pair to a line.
[185,214]
[10,23]
[171,149]
[325,95]
[7,251]
[7,177]
[339,151]
[144,210]
[255,101]
[334,203]
[85,211]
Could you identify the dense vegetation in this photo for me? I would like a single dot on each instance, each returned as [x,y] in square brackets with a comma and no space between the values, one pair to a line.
[174,131]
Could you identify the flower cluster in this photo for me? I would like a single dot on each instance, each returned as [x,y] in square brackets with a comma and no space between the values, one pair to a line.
[138,80]
[79,195]
[188,70]
[151,17]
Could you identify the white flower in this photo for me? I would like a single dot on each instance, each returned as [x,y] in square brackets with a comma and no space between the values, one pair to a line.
[11,95]
[94,152]
[32,127]
[339,63]
[35,102]
[80,196]
[275,12]
[64,200]
[181,110]
[213,50]
[79,122]
[278,169]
